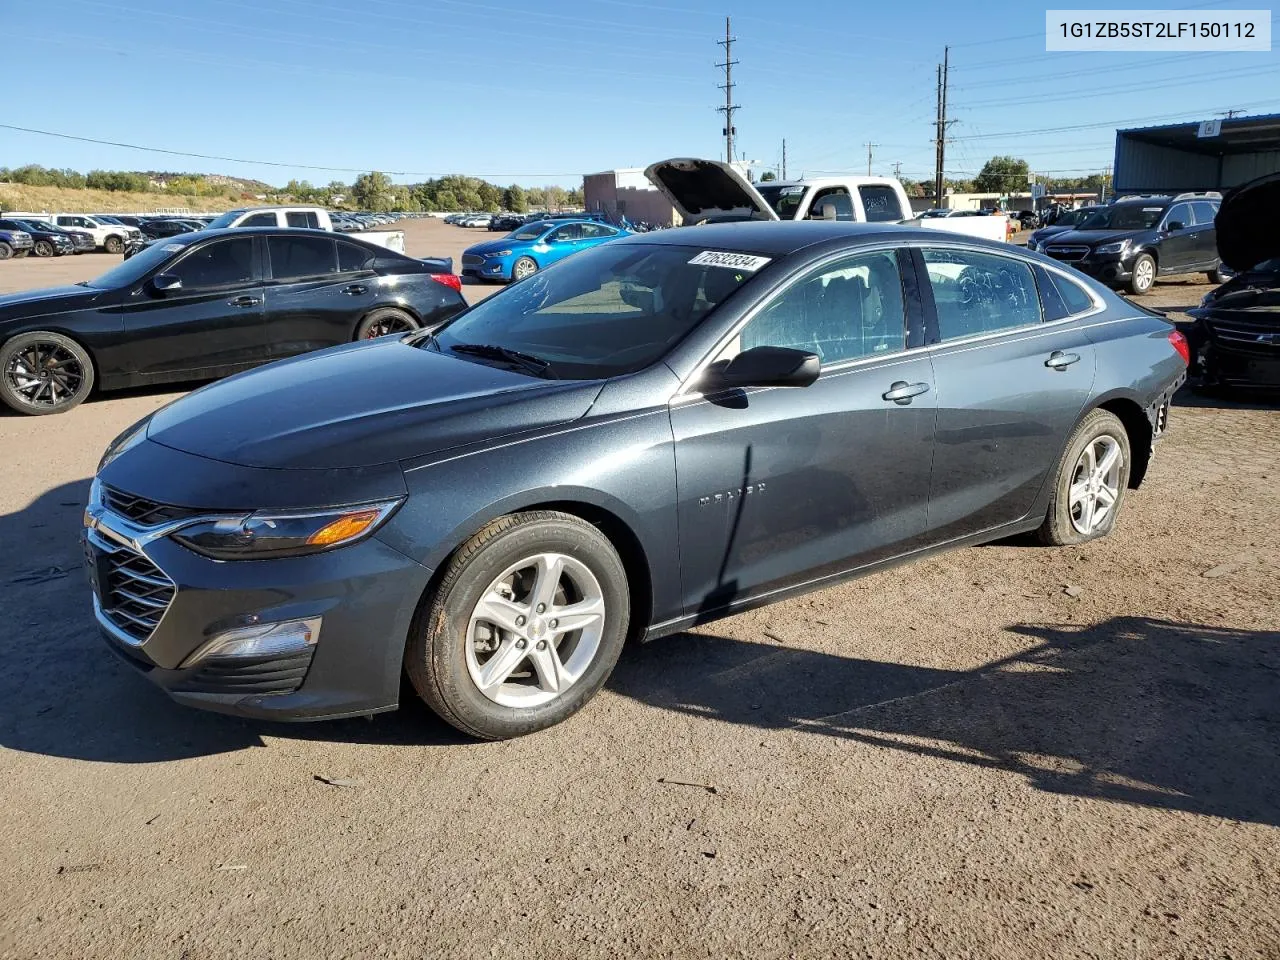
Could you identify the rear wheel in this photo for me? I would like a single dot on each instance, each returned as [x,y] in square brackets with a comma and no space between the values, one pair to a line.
[114,245]
[524,628]
[43,372]
[1144,274]
[524,267]
[384,321]
[1090,482]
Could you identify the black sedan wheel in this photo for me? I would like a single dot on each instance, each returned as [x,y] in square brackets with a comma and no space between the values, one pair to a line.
[44,248]
[524,628]
[43,373]
[385,321]
[114,245]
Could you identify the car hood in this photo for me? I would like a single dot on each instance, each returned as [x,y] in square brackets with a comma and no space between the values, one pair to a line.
[1246,223]
[1256,291]
[1045,233]
[362,404]
[1095,236]
[493,246]
[51,300]
[704,189]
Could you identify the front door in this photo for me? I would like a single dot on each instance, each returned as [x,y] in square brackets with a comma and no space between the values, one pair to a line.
[211,324]
[1178,246]
[782,486]
[1009,388]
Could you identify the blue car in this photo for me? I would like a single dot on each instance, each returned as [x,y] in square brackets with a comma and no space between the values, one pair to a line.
[525,251]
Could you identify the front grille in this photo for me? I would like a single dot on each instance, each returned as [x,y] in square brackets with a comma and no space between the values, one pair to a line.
[1066,252]
[135,592]
[471,260]
[1237,334]
[143,511]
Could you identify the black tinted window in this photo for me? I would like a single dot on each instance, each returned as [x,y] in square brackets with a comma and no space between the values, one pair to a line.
[848,310]
[216,264]
[978,293]
[1205,212]
[1073,295]
[294,257]
[880,202]
[260,220]
[352,258]
[1051,303]
[1179,213]
[302,218]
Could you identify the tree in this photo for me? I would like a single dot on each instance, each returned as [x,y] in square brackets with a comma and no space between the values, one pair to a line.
[372,191]
[1002,175]
[514,199]
[767,176]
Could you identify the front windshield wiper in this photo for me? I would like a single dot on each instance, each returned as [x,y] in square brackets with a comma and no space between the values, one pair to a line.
[526,361]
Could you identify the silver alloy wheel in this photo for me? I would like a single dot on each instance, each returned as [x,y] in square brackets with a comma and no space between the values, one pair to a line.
[524,267]
[536,630]
[1144,272]
[1095,484]
[44,374]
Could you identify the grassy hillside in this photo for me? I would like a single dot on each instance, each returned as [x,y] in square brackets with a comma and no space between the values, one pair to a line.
[20,196]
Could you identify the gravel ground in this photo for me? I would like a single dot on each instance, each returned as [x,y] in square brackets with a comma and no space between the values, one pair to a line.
[950,759]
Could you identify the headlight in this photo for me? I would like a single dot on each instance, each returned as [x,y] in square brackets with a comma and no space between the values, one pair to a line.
[501,253]
[265,534]
[1118,247]
[130,438]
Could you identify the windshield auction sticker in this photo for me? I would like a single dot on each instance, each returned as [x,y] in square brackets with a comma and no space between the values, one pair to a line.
[732,261]
[1217,31]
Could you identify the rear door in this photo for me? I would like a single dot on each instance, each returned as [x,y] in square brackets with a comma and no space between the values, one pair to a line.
[1206,234]
[1009,386]
[212,324]
[314,297]
[564,241]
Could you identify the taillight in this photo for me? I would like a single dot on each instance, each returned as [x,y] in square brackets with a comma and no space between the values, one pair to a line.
[1179,343]
[454,282]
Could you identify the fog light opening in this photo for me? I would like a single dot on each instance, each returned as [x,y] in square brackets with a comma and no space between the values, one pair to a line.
[283,639]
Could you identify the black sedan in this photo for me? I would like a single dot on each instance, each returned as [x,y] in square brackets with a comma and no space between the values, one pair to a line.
[204,305]
[654,433]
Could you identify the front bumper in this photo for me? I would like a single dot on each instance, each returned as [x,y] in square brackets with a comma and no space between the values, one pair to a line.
[21,243]
[157,603]
[488,269]
[1110,268]
[1234,353]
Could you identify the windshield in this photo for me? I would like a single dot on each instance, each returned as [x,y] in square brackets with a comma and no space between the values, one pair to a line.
[605,312]
[1128,216]
[784,199]
[225,220]
[139,265]
[530,233]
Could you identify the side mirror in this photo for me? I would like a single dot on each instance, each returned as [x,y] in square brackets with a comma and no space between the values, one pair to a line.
[165,283]
[764,367]
[1175,225]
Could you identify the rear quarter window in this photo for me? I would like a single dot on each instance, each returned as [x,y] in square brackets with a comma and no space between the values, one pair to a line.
[1076,298]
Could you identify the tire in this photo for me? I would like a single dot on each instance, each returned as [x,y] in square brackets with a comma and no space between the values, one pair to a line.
[1143,277]
[450,635]
[385,321]
[6,251]
[114,245]
[1067,521]
[30,384]
[43,248]
[523,267]
[1220,274]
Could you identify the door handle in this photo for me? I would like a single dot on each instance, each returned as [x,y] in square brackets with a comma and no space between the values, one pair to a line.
[355,289]
[245,301]
[1060,361]
[901,392]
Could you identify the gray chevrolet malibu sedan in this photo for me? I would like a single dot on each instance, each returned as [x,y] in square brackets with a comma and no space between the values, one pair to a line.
[653,434]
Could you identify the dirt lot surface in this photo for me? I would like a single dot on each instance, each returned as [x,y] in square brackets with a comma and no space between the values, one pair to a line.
[952,759]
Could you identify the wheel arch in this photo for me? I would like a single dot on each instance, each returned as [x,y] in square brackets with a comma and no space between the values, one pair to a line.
[1133,417]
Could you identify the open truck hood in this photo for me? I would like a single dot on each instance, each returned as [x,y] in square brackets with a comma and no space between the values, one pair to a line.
[1246,223]
[708,190]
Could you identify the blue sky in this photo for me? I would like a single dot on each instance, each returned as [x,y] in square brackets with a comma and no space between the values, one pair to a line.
[541,92]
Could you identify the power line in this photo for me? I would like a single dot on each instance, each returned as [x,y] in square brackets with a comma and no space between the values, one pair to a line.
[1105,123]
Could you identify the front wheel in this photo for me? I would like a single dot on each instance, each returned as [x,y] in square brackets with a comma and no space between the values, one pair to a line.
[524,267]
[1144,274]
[43,248]
[43,372]
[384,321]
[1220,274]
[6,251]
[524,628]
[1090,482]
[114,245]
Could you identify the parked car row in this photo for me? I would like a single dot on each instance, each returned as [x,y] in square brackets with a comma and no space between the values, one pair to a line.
[64,232]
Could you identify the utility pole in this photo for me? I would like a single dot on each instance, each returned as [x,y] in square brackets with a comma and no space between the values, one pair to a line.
[784,158]
[728,108]
[897,169]
[870,147]
[942,123]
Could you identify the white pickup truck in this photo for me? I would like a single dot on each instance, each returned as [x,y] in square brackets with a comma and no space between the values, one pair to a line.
[707,190]
[314,218]
[111,236]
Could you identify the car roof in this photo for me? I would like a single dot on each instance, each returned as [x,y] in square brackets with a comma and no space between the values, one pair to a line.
[779,239]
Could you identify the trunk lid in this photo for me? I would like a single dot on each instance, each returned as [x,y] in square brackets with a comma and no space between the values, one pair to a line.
[708,190]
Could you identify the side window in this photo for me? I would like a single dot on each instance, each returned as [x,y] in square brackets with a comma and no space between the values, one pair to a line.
[1073,295]
[570,231]
[1051,303]
[977,293]
[302,218]
[295,257]
[1178,213]
[837,198]
[881,203]
[850,309]
[1204,212]
[259,220]
[352,259]
[216,264]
